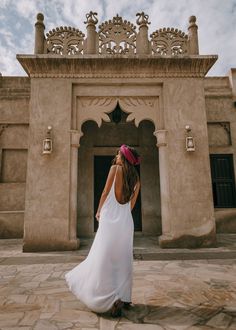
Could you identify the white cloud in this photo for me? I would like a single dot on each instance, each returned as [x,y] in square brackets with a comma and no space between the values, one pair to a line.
[75,11]
[4,3]
[26,8]
[8,63]
[7,36]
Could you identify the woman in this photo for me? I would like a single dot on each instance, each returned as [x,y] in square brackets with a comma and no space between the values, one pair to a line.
[103,281]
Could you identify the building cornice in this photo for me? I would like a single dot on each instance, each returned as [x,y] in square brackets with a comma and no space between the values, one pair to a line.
[116,66]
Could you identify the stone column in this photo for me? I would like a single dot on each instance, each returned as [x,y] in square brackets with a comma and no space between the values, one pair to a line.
[161,136]
[91,41]
[39,35]
[75,138]
[142,42]
[185,180]
[193,36]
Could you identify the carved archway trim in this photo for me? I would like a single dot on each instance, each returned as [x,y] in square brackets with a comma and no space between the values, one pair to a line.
[96,108]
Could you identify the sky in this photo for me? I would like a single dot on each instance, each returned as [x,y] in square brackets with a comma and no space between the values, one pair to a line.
[216,20]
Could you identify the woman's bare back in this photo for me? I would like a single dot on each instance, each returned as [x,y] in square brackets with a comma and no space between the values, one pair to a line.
[119,185]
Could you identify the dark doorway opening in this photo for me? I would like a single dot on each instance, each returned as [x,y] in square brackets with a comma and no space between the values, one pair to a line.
[102,165]
[223,182]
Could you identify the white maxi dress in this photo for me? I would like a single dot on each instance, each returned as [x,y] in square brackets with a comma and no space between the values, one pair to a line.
[106,274]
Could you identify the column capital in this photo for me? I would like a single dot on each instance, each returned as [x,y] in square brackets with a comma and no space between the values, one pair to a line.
[75,138]
[161,136]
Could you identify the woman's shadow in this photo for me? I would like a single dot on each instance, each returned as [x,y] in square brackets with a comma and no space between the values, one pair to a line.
[150,314]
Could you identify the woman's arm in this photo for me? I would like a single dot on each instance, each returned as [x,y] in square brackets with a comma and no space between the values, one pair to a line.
[135,195]
[106,189]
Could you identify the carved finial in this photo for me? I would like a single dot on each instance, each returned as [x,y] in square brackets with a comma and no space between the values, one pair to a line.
[40,18]
[192,20]
[91,18]
[39,34]
[142,19]
[193,36]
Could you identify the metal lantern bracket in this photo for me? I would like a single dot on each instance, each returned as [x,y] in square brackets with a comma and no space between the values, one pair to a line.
[189,140]
[47,142]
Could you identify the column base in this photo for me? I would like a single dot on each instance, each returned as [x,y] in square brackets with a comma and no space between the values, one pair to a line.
[188,241]
[43,246]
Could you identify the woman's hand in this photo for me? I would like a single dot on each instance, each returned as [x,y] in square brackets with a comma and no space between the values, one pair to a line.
[97,216]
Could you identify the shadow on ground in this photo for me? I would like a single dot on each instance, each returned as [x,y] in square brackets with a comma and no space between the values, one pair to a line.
[170,315]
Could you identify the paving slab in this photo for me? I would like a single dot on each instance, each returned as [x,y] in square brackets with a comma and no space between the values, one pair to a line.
[167,294]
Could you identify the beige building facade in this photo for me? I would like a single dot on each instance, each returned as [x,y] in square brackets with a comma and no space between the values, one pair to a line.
[85,96]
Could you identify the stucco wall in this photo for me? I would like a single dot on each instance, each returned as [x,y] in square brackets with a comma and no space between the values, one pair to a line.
[14,122]
[189,173]
[47,190]
[220,108]
[221,118]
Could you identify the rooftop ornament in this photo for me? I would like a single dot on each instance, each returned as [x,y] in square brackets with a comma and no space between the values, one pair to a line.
[142,19]
[116,37]
[169,41]
[91,18]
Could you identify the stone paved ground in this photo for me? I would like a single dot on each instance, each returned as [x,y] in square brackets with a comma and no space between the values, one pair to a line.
[167,294]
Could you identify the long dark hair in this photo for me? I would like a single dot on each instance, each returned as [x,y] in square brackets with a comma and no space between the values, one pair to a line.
[130,175]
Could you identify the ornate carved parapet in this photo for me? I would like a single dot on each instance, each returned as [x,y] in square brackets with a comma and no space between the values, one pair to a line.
[169,41]
[65,41]
[117,37]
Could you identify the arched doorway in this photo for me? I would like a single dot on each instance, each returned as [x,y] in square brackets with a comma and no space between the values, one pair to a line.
[97,148]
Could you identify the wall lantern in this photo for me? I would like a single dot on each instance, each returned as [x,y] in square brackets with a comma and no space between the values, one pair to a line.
[190,145]
[47,142]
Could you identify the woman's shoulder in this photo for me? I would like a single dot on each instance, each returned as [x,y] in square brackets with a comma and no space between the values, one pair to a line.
[116,170]
[116,167]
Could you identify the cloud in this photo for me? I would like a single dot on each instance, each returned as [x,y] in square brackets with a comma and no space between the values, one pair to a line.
[8,64]
[26,8]
[4,3]
[215,18]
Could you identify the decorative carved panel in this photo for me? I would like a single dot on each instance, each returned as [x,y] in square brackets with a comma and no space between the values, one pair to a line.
[93,108]
[140,108]
[117,37]
[219,134]
[169,41]
[96,108]
[65,41]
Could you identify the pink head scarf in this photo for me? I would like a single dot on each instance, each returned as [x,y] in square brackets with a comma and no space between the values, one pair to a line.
[129,155]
